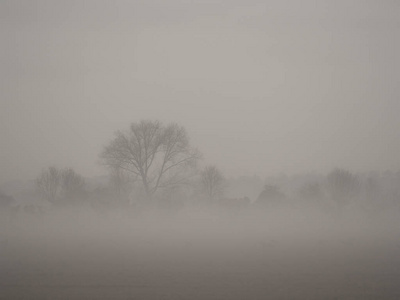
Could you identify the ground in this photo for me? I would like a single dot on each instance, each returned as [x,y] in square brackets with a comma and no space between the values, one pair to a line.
[197,260]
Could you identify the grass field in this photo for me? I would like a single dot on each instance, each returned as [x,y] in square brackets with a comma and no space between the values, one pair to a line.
[199,256]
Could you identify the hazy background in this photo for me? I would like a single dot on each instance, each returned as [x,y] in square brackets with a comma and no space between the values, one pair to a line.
[262,87]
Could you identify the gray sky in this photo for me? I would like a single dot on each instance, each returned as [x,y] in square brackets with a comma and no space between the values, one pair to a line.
[262,87]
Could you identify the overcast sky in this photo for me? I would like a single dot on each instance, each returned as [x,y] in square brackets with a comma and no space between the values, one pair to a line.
[262,87]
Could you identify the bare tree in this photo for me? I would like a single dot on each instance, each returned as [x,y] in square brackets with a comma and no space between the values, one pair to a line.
[121,183]
[342,186]
[155,154]
[60,186]
[49,184]
[311,191]
[72,184]
[212,182]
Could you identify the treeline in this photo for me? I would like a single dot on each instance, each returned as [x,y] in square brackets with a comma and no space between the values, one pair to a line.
[338,191]
[154,165]
[335,192]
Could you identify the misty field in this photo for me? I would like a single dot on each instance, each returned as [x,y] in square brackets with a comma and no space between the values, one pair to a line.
[283,254]
[199,149]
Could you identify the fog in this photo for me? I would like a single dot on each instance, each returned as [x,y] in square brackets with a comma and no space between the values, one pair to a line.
[199,149]
[263,87]
[200,254]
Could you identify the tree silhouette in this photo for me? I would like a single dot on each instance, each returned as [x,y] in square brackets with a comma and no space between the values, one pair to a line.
[60,186]
[154,154]
[49,184]
[342,186]
[212,182]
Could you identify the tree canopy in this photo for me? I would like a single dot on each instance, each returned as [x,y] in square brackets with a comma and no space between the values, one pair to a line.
[156,155]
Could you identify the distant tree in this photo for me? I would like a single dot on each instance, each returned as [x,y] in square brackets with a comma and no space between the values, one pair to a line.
[156,155]
[60,186]
[72,185]
[121,183]
[311,191]
[270,195]
[342,186]
[212,182]
[49,184]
